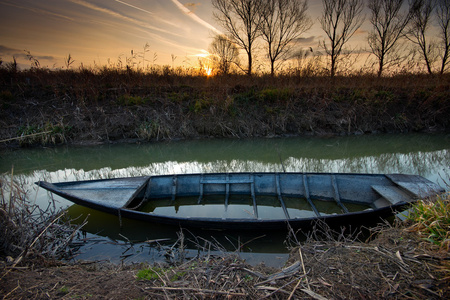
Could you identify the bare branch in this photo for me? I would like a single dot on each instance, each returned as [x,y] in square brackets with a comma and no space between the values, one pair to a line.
[443,18]
[225,53]
[388,27]
[421,15]
[283,22]
[340,20]
[242,20]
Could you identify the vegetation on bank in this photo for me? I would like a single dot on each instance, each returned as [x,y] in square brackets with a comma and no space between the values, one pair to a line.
[431,219]
[29,232]
[42,107]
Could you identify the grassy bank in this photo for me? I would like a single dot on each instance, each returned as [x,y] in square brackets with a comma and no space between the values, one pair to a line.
[407,261]
[40,106]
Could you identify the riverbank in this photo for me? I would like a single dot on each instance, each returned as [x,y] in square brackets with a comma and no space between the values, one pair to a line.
[395,263]
[42,107]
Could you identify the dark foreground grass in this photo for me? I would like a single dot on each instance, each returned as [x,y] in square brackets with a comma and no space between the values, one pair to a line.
[29,232]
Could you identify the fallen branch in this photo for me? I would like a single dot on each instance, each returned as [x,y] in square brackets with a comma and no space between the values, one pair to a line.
[313,294]
[24,136]
[197,290]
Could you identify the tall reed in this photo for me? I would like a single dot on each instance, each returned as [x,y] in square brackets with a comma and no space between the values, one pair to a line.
[28,231]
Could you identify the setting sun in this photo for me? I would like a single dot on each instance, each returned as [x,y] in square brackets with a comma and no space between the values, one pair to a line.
[208,71]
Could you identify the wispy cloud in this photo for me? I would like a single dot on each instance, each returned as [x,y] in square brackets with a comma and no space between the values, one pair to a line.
[120,16]
[160,38]
[135,7]
[149,12]
[194,17]
[37,10]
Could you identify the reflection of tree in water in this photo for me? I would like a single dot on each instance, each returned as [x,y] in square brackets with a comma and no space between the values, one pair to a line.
[421,163]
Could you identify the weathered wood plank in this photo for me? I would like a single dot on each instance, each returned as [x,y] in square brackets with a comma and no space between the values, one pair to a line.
[391,193]
[280,198]
[307,196]
[416,185]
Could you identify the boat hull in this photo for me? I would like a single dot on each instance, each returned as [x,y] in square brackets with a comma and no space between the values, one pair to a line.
[382,195]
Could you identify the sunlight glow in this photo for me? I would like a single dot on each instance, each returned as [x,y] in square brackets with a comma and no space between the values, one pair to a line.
[208,71]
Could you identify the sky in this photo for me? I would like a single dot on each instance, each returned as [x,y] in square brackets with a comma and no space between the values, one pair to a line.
[98,32]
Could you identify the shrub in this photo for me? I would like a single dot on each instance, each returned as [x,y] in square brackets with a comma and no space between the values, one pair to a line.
[432,220]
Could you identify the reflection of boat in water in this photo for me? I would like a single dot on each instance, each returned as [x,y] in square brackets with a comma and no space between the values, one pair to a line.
[103,225]
[250,200]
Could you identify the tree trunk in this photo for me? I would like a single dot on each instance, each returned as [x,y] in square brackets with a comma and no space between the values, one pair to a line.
[249,70]
[380,66]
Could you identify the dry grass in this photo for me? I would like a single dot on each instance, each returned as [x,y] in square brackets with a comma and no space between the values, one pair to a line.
[430,218]
[40,106]
[29,232]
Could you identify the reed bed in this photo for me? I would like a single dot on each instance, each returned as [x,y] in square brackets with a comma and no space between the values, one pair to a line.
[41,106]
[30,233]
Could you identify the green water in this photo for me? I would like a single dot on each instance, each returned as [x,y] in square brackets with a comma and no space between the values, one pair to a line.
[241,207]
[423,154]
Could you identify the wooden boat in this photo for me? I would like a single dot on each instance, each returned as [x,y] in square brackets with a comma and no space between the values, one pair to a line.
[250,200]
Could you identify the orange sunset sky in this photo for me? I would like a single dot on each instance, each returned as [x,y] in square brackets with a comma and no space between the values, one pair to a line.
[93,31]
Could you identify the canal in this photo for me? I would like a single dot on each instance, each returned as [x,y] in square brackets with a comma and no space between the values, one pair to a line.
[105,238]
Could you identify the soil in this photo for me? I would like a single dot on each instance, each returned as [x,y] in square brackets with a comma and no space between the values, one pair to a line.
[394,264]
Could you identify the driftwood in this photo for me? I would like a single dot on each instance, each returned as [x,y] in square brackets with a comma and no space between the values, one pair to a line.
[24,136]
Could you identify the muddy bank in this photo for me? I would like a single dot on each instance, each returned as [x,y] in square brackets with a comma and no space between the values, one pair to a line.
[53,107]
[395,264]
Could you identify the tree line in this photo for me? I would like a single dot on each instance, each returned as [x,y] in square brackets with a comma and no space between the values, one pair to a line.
[278,25]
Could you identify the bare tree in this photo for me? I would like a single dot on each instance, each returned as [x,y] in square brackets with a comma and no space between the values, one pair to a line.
[421,14]
[443,17]
[340,20]
[388,26]
[224,52]
[283,21]
[242,21]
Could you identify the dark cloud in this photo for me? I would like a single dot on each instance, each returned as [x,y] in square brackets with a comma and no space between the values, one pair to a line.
[4,50]
[8,51]
[306,40]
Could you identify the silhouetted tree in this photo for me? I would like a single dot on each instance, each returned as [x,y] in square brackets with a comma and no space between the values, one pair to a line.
[283,21]
[242,21]
[388,26]
[443,18]
[340,20]
[421,14]
[224,52]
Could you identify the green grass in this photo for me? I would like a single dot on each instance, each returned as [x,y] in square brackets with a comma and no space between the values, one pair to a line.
[155,273]
[150,273]
[432,220]
[63,290]
[45,134]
